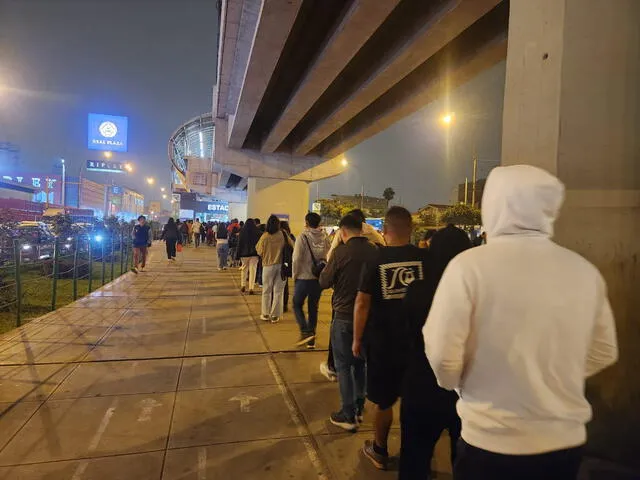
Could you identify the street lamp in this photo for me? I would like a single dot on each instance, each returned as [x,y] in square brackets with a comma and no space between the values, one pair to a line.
[128,167]
[151,180]
[164,196]
[107,154]
[162,189]
[64,181]
[448,118]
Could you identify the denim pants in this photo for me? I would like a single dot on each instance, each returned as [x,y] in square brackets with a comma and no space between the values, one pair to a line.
[350,369]
[272,291]
[306,290]
[223,255]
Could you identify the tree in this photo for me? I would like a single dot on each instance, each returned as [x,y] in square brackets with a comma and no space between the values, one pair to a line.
[389,194]
[461,214]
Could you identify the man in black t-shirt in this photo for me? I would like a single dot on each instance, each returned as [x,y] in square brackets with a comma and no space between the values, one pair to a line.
[380,326]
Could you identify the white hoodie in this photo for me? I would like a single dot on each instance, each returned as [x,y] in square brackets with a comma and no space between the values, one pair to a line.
[517,325]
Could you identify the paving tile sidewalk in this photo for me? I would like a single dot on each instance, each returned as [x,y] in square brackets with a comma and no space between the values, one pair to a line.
[168,375]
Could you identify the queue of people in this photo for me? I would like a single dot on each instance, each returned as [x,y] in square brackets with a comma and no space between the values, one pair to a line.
[493,344]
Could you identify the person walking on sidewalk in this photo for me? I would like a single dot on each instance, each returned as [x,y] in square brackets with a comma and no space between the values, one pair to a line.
[247,253]
[222,242]
[170,235]
[309,257]
[328,368]
[343,273]
[380,332]
[516,327]
[195,232]
[270,248]
[142,238]
[426,408]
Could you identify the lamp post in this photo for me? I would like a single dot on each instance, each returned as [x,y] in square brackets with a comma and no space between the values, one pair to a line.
[448,119]
[64,182]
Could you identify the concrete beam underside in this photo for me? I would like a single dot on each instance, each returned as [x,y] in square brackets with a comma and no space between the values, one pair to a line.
[249,163]
[231,11]
[572,106]
[360,22]
[453,18]
[274,24]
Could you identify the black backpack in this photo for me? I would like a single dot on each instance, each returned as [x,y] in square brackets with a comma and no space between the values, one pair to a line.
[287,259]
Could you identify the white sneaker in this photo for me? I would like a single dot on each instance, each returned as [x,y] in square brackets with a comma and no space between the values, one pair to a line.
[265,318]
[327,372]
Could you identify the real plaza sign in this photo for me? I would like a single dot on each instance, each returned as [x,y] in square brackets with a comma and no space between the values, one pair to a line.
[107,132]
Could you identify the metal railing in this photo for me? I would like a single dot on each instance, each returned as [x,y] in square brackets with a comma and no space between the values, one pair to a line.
[39,278]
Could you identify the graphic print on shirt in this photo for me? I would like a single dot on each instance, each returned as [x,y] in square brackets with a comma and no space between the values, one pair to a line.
[395,278]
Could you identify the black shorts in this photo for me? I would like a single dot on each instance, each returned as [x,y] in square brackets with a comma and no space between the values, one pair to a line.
[384,376]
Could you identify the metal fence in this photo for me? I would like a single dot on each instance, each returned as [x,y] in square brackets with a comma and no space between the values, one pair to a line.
[36,278]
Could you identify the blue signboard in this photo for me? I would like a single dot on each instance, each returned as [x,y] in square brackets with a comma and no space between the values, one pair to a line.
[107,132]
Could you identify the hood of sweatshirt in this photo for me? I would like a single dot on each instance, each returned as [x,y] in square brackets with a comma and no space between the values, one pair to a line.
[317,237]
[521,200]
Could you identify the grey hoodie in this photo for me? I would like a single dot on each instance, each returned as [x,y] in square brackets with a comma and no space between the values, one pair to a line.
[319,242]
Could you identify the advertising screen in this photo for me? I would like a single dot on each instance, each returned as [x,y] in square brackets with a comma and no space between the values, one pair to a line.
[107,132]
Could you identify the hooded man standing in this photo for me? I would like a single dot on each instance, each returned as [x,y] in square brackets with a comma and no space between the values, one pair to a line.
[310,252]
[516,327]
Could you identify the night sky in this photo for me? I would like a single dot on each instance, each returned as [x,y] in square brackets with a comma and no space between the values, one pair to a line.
[154,61]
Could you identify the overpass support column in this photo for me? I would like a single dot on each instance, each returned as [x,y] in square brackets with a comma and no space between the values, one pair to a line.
[572,106]
[281,197]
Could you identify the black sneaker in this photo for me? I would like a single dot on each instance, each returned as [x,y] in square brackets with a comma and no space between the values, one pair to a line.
[305,339]
[339,419]
[311,345]
[359,411]
[379,460]
[243,289]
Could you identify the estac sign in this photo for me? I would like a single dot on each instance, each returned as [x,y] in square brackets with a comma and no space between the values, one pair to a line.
[107,132]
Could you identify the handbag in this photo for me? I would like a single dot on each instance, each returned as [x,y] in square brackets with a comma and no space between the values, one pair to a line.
[286,270]
[318,266]
[179,247]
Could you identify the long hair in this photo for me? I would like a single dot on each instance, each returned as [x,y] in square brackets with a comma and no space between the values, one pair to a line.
[273,225]
[445,245]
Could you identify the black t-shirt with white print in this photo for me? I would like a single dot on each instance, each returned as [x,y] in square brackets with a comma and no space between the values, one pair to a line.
[387,280]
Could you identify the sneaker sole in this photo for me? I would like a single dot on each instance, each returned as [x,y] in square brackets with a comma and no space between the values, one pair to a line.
[376,463]
[305,340]
[349,427]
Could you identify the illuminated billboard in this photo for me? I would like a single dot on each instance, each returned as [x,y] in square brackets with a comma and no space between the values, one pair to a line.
[107,132]
[108,167]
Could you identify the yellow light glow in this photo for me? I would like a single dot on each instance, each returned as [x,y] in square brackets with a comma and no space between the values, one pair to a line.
[128,167]
[108,154]
[164,196]
[448,118]
[162,189]
[151,180]
[344,162]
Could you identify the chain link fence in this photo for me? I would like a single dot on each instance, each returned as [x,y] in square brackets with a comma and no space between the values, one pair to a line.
[36,278]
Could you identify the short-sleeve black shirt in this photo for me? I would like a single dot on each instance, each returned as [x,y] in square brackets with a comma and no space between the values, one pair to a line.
[387,280]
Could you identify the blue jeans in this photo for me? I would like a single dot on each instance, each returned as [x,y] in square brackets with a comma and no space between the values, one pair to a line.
[350,369]
[307,290]
[223,255]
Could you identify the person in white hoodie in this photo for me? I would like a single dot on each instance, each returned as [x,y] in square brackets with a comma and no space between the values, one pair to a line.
[309,255]
[516,326]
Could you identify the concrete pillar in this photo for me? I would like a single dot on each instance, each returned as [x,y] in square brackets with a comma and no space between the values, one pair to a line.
[266,196]
[572,106]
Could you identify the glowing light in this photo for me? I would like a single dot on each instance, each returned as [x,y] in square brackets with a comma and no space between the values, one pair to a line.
[98,238]
[448,118]
[26,247]
[201,144]
[164,196]
[151,180]
[162,189]
[128,167]
[107,154]
[344,162]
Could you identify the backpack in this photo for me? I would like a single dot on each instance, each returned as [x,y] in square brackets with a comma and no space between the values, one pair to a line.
[287,259]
